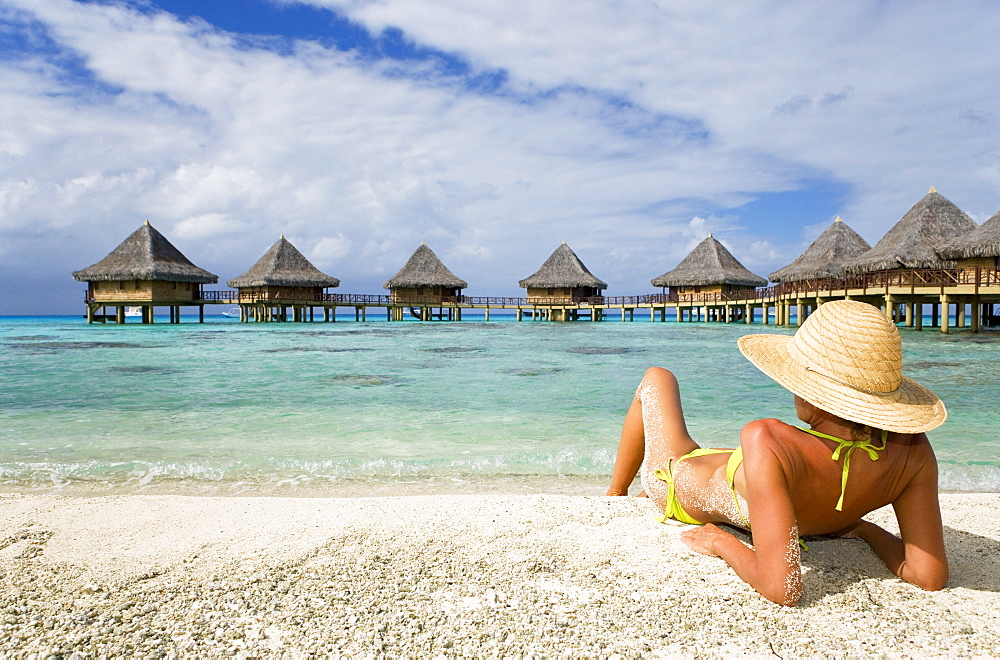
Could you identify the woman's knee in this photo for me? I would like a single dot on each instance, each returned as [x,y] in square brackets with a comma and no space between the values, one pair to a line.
[659,374]
[659,378]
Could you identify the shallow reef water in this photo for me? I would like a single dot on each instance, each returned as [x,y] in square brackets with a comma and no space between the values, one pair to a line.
[321,408]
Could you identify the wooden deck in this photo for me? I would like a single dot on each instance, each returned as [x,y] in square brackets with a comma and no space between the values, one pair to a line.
[971,297]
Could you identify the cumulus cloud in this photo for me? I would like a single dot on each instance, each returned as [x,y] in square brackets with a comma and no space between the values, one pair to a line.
[329,250]
[630,130]
[206,226]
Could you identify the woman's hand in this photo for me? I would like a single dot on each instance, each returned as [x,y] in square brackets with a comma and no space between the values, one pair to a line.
[703,539]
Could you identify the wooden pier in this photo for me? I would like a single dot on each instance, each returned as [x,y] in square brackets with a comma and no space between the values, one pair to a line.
[970,297]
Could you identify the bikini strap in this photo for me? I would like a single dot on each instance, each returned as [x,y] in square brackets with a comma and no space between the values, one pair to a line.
[850,445]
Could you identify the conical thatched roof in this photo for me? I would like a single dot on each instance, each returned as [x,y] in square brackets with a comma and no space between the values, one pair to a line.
[424,269]
[911,243]
[563,269]
[826,255]
[283,265]
[709,263]
[983,241]
[145,255]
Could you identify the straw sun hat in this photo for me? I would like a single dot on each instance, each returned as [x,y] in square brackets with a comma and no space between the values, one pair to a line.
[847,359]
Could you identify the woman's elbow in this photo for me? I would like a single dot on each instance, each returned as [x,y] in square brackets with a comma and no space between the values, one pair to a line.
[787,594]
[782,598]
[934,582]
[929,580]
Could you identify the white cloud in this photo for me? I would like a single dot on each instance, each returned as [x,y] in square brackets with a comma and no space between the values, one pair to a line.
[206,226]
[628,129]
[329,250]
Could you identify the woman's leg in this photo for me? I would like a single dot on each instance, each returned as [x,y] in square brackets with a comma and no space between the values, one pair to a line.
[654,432]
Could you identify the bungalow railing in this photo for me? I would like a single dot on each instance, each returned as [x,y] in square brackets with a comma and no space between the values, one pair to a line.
[498,301]
[980,277]
[218,296]
[875,283]
[355,298]
[747,296]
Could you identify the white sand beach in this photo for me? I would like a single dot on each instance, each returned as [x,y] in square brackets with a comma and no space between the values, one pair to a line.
[448,575]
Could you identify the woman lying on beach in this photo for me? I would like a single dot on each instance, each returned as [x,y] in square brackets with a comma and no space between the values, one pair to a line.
[844,366]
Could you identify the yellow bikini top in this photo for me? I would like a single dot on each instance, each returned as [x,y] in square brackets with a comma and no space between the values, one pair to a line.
[850,445]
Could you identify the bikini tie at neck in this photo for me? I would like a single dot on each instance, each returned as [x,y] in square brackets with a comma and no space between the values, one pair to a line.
[850,445]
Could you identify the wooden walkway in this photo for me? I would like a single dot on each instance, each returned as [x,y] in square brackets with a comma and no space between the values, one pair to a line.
[970,297]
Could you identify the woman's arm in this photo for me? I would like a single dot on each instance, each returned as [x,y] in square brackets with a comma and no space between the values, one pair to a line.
[919,556]
[772,566]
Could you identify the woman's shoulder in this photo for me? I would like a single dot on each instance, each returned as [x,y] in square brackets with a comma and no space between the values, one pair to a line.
[763,430]
[767,436]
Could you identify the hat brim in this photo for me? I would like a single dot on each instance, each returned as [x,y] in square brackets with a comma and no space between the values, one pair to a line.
[911,408]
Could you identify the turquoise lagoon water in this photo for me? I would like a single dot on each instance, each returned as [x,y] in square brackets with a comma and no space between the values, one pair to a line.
[352,408]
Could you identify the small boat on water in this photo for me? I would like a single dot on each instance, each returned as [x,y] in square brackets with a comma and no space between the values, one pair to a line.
[133,311]
[232,312]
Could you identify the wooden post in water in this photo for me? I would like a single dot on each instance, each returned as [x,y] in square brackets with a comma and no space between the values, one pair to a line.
[945,313]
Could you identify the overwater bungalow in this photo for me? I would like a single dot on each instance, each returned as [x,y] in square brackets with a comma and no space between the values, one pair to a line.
[907,257]
[825,257]
[912,242]
[709,274]
[280,279]
[144,271]
[980,248]
[426,286]
[977,260]
[561,284]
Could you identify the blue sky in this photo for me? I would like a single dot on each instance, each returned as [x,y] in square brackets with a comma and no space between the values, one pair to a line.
[491,130]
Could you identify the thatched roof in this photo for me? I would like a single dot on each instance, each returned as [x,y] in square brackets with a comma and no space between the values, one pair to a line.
[563,269]
[911,243]
[826,255]
[145,255]
[709,263]
[424,269]
[983,241]
[283,265]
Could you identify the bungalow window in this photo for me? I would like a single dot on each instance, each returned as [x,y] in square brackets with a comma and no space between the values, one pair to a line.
[550,291]
[121,285]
